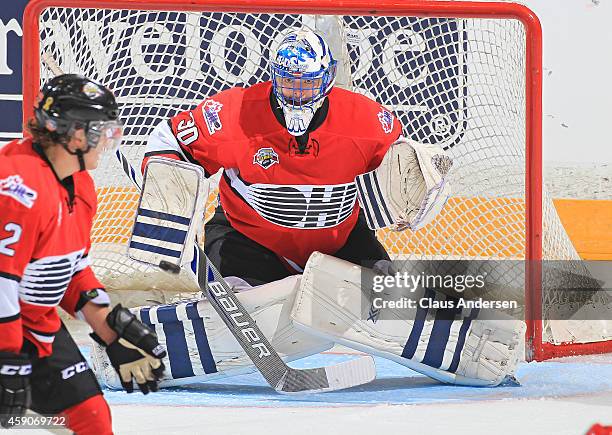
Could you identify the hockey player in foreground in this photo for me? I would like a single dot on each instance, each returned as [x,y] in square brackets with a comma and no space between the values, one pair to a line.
[48,202]
[300,158]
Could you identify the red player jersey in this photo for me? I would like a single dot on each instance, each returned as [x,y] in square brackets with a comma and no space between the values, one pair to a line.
[292,201]
[44,242]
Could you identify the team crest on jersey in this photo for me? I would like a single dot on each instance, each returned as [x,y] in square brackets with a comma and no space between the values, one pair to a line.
[13,186]
[265,157]
[386,120]
[210,111]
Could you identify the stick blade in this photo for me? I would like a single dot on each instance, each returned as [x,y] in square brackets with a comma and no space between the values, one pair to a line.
[340,376]
[351,373]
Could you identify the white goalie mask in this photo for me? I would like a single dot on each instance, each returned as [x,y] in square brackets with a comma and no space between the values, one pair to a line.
[303,71]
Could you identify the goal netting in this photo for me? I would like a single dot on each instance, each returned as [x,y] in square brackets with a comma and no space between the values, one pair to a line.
[464,83]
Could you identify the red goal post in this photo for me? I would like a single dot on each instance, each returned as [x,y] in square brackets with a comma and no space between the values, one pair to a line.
[527,135]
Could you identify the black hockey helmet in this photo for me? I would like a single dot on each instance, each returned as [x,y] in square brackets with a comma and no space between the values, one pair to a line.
[70,102]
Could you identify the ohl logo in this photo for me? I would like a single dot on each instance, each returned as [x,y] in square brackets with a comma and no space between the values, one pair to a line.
[265,157]
[14,187]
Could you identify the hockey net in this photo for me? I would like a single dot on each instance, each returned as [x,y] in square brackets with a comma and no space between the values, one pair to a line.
[464,75]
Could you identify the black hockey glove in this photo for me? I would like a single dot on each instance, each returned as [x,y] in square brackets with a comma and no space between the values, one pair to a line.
[15,393]
[136,354]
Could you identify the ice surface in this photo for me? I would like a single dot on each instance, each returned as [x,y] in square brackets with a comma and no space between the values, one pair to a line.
[564,396]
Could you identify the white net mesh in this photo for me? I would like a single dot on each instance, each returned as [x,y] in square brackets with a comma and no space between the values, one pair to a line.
[456,82]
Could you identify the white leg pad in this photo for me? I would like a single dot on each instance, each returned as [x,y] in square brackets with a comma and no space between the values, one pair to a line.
[472,351]
[201,348]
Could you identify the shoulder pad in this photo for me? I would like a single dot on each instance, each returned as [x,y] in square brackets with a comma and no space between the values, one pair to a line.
[362,116]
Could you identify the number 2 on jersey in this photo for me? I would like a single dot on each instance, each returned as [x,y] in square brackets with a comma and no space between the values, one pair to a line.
[15,229]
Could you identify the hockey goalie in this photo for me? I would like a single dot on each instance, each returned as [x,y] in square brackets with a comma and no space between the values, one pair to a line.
[309,171]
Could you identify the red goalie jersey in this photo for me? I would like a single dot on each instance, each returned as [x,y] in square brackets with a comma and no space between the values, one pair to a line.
[44,242]
[289,198]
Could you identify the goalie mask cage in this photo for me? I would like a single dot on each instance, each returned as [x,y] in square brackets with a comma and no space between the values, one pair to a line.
[465,75]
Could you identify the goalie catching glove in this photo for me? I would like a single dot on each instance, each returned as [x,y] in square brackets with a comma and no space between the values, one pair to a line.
[408,189]
[136,354]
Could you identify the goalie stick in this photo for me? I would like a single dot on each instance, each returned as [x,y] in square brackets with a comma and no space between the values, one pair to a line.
[277,373]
